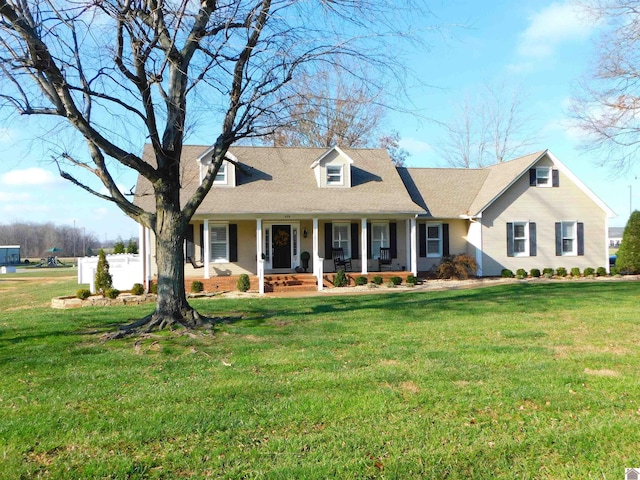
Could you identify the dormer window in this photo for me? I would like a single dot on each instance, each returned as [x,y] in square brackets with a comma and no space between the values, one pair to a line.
[334,175]
[221,176]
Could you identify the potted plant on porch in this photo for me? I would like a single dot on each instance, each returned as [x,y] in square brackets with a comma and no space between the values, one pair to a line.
[304,257]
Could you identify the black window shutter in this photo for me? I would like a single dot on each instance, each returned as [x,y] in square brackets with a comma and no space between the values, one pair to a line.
[533,239]
[509,239]
[233,242]
[422,240]
[445,239]
[369,253]
[532,177]
[558,239]
[393,240]
[190,246]
[555,178]
[580,238]
[328,241]
[202,241]
[355,241]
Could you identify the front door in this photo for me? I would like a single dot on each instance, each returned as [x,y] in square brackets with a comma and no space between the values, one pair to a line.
[281,246]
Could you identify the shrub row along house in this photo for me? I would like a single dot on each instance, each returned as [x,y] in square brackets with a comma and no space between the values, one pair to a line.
[353,209]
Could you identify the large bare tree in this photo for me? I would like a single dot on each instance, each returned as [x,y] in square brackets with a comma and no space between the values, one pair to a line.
[329,108]
[607,106]
[488,128]
[121,72]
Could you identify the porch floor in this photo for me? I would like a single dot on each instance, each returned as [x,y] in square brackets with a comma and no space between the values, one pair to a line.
[287,282]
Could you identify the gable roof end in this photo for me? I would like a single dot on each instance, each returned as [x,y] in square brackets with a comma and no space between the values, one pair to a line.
[332,149]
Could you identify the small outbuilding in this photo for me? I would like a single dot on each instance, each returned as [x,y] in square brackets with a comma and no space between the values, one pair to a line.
[9,254]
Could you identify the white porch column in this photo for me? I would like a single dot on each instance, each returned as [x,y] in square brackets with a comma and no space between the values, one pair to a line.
[413,245]
[317,260]
[475,239]
[143,257]
[364,251]
[207,248]
[259,259]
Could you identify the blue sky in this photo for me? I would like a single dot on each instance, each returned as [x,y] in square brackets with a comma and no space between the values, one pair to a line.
[540,47]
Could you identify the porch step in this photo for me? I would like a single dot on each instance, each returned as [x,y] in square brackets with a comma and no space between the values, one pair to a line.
[290,282]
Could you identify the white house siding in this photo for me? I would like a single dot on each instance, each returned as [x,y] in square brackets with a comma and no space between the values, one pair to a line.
[545,206]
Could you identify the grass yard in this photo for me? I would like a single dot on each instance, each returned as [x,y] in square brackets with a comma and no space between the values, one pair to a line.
[530,380]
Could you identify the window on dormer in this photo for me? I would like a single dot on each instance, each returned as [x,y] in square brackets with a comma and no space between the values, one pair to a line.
[221,176]
[334,174]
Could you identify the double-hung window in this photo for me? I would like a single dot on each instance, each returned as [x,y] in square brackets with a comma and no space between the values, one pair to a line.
[219,240]
[543,176]
[569,242]
[434,239]
[334,174]
[520,239]
[379,238]
[341,238]
[221,176]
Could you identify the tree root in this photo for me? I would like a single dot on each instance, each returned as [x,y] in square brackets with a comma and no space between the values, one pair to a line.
[188,319]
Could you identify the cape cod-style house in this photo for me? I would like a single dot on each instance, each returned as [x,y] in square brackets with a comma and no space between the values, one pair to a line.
[353,209]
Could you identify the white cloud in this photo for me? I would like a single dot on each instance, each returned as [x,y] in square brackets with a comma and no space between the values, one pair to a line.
[554,25]
[30,176]
[415,147]
[7,197]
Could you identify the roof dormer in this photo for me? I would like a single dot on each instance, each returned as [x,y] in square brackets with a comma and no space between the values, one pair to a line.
[333,169]
[226,176]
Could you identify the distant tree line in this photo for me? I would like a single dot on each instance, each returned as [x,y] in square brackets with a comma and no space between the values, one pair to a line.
[36,238]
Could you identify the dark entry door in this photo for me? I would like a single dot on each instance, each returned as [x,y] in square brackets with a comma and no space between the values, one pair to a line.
[281,246]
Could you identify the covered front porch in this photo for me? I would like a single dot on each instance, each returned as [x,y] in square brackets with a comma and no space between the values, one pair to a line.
[289,245]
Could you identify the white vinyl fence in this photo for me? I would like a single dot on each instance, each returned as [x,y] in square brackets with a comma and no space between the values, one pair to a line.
[125,270]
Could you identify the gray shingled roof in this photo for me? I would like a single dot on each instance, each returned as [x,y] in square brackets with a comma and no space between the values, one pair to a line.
[276,180]
[452,192]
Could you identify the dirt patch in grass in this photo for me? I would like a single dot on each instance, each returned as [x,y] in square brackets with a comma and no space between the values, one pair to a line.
[604,372]
[562,351]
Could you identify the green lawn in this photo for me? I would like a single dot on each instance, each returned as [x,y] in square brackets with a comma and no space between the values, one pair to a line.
[532,380]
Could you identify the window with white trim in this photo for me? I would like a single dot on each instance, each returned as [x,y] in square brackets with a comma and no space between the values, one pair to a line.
[520,239]
[219,241]
[221,176]
[379,238]
[543,176]
[334,174]
[341,238]
[569,238]
[434,240]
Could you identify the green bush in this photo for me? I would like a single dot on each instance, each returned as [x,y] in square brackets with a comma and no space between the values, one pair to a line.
[535,272]
[132,247]
[575,272]
[137,289]
[102,280]
[112,293]
[395,280]
[614,271]
[521,273]
[458,267]
[547,272]
[628,255]
[377,280]
[243,284]
[197,286]
[589,272]
[411,280]
[153,288]
[561,272]
[119,247]
[506,273]
[601,272]
[83,293]
[340,279]
[361,280]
